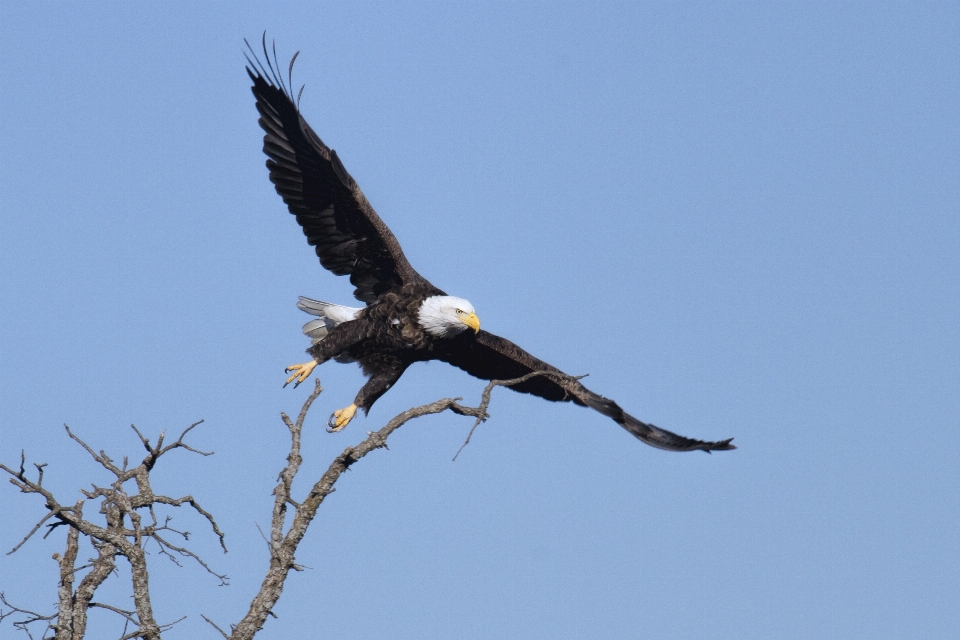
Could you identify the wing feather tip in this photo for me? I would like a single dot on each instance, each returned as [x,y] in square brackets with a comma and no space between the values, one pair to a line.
[722,445]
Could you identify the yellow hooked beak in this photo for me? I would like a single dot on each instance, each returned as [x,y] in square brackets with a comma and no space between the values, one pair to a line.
[472,321]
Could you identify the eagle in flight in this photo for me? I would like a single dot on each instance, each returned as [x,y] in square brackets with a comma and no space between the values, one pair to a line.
[406,319]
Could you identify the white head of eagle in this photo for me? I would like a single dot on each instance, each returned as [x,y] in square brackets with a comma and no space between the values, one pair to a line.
[447,316]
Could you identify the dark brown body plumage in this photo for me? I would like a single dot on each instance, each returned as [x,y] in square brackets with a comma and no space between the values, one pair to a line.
[385,339]
[350,239]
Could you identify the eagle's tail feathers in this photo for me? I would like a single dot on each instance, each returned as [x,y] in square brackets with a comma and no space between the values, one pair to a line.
[328,315]
[336,312]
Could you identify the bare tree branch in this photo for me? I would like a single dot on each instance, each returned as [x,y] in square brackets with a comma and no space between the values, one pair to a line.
[32,531]
[129,615]
[103,566]
[206,514]
[124,534]
[101,457]
[164,545]
[283,546]
[212,624]
[23,625]
[126,531]
[67,562]
[481,411]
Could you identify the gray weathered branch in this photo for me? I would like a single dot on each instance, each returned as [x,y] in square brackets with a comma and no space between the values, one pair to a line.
[125,531]
[124,534]
[283,546]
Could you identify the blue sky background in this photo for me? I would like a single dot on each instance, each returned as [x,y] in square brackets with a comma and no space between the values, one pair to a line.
[739,219]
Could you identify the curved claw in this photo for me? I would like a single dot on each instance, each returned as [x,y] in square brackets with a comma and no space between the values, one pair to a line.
[300,372]
[341,418]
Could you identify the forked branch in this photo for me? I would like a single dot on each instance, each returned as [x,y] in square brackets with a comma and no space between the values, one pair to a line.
[126,530]
[124,533]
[283,545]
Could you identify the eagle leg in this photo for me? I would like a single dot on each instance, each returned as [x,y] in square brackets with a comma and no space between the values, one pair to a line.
[300,372]
[341,418]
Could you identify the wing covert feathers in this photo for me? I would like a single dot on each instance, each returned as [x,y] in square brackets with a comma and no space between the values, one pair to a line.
[490,357]
[349,237]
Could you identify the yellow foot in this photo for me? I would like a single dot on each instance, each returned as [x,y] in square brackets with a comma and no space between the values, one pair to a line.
[300,372]
[341,418]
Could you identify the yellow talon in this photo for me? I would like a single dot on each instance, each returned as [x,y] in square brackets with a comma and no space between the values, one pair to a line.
[341,418]
[300,372]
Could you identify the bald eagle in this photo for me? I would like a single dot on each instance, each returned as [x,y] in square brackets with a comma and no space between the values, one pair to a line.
[405,318]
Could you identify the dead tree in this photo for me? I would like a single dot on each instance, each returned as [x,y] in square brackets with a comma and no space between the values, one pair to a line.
[130,521]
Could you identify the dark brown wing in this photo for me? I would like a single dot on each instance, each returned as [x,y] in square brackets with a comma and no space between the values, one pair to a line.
[491,357]
[349,236]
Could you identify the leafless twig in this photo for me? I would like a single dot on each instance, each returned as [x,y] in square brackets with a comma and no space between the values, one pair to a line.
[213,624]
[24,625]
[485,399]
[283,545]
[126,530]
[124,534]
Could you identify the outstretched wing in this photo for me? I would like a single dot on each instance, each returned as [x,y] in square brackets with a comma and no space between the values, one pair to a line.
[491,357]
[349,237]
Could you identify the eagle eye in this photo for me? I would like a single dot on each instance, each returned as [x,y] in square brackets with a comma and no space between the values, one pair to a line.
[459,312]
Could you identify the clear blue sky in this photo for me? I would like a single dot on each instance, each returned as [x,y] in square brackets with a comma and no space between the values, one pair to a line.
[739,219]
